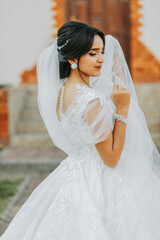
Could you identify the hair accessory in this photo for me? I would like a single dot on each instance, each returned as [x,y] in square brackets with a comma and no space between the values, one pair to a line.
[121,118]
[59,48]
[74,65]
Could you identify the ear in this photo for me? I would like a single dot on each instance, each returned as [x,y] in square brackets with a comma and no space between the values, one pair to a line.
[73,61]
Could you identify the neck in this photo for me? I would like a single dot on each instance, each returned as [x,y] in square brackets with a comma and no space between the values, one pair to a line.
[78,77]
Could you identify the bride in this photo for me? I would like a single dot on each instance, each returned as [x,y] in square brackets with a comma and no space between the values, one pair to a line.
[108,187]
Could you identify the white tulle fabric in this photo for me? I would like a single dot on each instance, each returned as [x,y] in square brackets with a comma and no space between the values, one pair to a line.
[88,117]
[83,198]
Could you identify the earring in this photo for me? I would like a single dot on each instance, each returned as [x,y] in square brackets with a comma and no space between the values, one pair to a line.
[74,65]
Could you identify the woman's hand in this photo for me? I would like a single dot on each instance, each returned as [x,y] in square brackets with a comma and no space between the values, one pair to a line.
[121,97]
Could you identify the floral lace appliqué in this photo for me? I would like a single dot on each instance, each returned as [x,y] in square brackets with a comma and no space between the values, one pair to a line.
[85,95]
[96,219]
[119,197]
[58,212]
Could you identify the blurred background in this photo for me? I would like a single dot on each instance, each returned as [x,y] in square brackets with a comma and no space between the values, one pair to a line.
[27,153]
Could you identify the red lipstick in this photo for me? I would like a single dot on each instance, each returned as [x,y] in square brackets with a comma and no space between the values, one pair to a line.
[99,67]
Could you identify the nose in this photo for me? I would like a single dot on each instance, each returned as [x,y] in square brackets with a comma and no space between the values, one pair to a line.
[101,58]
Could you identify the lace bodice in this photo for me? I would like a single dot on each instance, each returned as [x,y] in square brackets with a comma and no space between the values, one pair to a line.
[88,118]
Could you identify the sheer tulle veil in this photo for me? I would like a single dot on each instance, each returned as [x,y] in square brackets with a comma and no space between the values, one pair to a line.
[140,160]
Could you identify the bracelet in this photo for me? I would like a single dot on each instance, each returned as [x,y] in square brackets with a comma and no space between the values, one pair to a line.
[121,118]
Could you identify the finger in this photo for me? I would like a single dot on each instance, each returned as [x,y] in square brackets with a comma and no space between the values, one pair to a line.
[126,90]
[123,89]
[119,88]
[114,87]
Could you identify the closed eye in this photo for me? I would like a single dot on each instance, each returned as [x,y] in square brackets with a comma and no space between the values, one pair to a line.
[93,54]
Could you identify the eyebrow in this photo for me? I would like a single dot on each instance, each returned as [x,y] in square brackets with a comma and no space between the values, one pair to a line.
[96,48]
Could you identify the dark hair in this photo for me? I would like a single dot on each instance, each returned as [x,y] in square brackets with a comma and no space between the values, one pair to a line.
[81,37]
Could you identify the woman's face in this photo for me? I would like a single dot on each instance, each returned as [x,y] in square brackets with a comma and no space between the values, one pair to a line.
[89,62]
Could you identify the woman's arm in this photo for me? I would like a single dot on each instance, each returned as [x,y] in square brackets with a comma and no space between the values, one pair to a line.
[110,149]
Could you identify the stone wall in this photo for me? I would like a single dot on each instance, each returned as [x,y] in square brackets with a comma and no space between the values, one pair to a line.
[16,102]
[24,113]
[148,95]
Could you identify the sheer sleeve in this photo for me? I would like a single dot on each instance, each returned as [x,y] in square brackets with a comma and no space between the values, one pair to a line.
[93,117]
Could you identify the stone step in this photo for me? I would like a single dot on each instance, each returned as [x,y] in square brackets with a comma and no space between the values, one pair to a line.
[148,106]
[31,98]
[150,114]
[29,104]
[35,159]
[153,125]
[32,90]
[30,115]
[31,140]
[154,128]
[30,127]
[156,139]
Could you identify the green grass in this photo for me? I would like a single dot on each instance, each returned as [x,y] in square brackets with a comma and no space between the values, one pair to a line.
[8,189]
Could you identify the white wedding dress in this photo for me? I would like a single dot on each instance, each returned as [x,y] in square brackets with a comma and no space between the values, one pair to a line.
[84,199]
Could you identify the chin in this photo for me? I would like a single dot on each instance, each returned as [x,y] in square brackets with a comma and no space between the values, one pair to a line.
[97,74]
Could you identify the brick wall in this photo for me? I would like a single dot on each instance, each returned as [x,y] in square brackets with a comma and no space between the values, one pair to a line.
[4,129]
[145,67]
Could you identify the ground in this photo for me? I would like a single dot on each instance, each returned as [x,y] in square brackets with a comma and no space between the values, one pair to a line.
[33,165]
